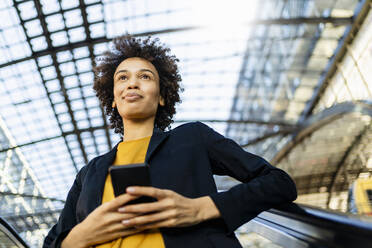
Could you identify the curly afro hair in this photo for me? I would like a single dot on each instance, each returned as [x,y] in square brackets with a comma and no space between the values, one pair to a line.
[152,50]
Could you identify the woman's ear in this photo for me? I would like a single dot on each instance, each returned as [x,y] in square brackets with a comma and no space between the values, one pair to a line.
[113,104]
[161,101]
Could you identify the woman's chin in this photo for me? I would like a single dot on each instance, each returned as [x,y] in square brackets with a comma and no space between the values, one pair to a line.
[137,117]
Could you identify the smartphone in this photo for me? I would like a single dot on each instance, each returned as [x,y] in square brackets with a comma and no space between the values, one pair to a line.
[123,176]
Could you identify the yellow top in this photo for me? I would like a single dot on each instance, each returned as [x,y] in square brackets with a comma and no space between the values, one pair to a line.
[130,152]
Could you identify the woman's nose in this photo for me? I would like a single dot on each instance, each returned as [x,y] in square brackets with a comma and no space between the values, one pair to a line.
[133,84]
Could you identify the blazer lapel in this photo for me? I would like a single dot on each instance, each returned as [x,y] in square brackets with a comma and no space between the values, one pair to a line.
[157,138]
[101,173]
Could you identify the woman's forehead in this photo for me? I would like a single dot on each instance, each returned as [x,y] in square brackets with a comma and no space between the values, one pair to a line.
[136,63]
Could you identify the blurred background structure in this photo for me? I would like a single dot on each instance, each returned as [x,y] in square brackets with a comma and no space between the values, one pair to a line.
[289,80]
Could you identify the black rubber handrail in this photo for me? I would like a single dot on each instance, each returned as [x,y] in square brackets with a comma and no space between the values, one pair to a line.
[12,234]
[298,225]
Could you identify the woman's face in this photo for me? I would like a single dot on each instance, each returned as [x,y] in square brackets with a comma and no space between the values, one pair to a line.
[136,89]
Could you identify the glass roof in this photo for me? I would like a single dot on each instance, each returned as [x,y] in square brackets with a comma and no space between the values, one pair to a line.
[250,70]
[48,103]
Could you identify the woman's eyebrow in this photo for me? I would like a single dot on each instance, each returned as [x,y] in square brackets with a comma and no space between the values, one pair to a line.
[148,71]
[139,70]
[120,71]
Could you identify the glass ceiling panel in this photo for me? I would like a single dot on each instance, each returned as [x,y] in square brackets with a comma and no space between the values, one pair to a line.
[281,71]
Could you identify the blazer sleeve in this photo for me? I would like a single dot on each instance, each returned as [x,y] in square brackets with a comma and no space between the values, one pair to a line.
[263,185]
[67,219]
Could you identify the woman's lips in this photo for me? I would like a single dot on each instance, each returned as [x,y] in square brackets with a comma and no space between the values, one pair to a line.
[132,97]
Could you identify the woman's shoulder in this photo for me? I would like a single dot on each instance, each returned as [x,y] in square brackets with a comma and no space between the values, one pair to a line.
[90,167]
[190,131]
[190,126]
[90,164]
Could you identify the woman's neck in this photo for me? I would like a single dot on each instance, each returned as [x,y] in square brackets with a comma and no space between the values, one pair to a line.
[137,129]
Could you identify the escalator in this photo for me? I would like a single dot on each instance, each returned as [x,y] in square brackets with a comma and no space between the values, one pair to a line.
[303,226]
[9,237]
[291,226]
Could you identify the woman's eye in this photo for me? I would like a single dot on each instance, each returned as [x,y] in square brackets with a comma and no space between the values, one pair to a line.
[144,76]
[123,77]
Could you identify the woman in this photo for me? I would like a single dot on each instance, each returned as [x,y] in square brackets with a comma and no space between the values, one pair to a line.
[138,84]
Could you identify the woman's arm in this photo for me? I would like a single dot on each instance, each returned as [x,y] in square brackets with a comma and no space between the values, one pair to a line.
[67,219]
[170,210]
[263,185]
[101,225]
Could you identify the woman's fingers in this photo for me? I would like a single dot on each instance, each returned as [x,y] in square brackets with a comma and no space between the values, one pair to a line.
[119,201]
[119,227]
[105,222]
[148,207]
[119,217]
[171,209]
[149,191]
[143,220]
[136,192]
[163,223]
[112,218]
[166,200]
[117,231]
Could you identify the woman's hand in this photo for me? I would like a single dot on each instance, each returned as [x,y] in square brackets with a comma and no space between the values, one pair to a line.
[171,209]
[102,225]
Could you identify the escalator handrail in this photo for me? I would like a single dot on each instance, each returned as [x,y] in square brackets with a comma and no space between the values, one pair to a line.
[308,226]
[4,226]
[318,216]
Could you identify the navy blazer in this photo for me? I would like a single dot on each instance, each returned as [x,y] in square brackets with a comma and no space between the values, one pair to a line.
[184,160]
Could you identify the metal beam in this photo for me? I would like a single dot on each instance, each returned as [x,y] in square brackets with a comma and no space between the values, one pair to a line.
[317,121]
[64,134]
[34,214]
[340,165]
[248,82]
[242,77]
[31,196]
[15,3]
[268,135]
[338,56]
[308,184]
[93,41]
[303,20]
[92,129]
[84,43]
[248,121]
[60,78]
[83,7]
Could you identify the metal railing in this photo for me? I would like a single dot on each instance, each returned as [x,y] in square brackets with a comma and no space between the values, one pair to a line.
[9,237]
[298,225]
